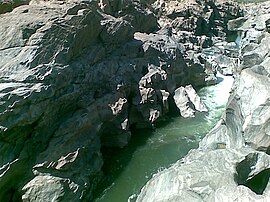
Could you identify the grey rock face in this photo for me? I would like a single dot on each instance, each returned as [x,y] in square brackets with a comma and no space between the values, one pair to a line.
[137,12]
[195,99]
[74,79]
[76,76]
[202,18]
[212,180]
[53,189]
[183,103]
[232,161]
[187,101]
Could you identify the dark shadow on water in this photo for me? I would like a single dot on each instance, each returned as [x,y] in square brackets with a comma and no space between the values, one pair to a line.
[116,159]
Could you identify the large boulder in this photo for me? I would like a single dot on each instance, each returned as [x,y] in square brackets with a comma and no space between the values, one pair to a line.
[188,101]
[210,176]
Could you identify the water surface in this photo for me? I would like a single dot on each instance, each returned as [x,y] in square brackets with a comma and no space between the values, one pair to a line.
[128,169]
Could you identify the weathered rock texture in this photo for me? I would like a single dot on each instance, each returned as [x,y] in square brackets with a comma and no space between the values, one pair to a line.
[187,101]
[232,162]
[78,75]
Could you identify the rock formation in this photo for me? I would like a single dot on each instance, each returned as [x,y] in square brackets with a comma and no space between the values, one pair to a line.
[187,101]
[232,162]
[78,75]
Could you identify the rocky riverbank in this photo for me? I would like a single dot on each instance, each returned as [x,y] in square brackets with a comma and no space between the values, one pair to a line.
[232,162]
[80,75]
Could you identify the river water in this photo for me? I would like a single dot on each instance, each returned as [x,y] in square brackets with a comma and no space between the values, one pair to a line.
[148,152]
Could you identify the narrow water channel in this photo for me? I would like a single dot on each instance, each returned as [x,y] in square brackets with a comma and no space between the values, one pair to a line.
[127,170]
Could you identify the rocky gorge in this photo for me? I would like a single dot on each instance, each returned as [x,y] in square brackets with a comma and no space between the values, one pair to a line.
[232,161]
[78,76]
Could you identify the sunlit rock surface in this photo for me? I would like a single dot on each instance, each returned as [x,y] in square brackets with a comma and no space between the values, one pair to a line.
[188,101]
[232,161]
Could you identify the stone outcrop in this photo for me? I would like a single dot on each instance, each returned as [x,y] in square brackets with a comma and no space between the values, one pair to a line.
[79,75]
[232,161]
[188,101]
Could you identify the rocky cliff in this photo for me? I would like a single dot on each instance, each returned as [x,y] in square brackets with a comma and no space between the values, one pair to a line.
[80,75]
[232,162]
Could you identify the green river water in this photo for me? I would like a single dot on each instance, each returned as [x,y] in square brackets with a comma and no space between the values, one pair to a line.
[148,152]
